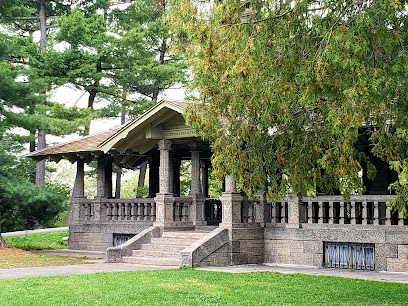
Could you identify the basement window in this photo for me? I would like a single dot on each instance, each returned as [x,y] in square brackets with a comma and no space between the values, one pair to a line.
[121,238]
[348,255]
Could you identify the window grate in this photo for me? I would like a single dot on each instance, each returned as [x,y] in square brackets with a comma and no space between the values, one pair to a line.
[347,255]
[121,238]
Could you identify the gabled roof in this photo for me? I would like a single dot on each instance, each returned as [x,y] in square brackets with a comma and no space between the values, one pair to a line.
[148,123]
[86,144]
[159,113]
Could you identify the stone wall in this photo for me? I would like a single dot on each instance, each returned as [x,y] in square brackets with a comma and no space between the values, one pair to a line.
[304,246]
[247,245]
[99,237]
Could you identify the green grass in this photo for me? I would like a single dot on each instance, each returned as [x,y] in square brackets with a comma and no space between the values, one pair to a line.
[190,287]
[39,241]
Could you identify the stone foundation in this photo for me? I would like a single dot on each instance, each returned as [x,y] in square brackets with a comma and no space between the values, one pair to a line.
[99,237]
[304,246]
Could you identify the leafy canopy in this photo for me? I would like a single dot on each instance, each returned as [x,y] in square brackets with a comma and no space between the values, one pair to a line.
[285,87]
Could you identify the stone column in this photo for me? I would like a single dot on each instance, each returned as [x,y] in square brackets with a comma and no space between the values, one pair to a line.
[294,212]
[231,204]
[101,178]
[153,176]
[171,173]
[204,177]
[164,170]
[176,175]
[246,240]
[79,185]
[195,169]
[197,209]
[78,193]
[101,192]
[164,199]
[108,178]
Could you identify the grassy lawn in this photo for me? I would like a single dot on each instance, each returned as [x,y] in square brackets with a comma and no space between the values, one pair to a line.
[190,287]
[39,241]
[17,257]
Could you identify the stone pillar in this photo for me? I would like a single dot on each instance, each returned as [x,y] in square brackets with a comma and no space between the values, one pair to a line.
[78,193]
[246,243]
[101,178]
[153,176]
[79,185]
[176,175]
[230,184]
[197,209]
[204,177]
[108,178]
[294,212]
[164,170]
[231,204]
[164,199]
[195,169]
[171,173]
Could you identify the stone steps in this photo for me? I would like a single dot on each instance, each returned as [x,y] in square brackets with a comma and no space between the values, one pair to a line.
[151,261]
[168,247]
[165,251]
[156,253]
[173,241]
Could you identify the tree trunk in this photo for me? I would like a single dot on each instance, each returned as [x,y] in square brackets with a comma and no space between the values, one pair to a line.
[2,241]
[40,168]
[163,50]
[122,122]
[41,142]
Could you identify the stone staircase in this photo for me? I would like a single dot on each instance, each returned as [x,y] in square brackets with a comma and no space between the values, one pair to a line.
[165,251]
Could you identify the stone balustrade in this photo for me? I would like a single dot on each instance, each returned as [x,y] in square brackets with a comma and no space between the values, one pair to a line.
[181,209]
[139,209]
[364,210]
[248,211]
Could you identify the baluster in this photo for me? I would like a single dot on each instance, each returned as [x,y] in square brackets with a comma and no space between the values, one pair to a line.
[353,207]
[91,211]
[176,208]
[320,213]
[388,216]
[128,211]
[120,212]
[341,217]
[331,213]
[115,211]
[109,211]
[271,214]
[87,212]
[400,218]
[364,213]
[134,211]
[283,212]
[376,215]
[139,211]
[145,212]
[185,212]
[253,212]
[153,214]
[309,212]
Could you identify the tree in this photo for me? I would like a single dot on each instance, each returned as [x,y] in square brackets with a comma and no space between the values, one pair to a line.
[284,89]
[27,17]
[23,105]
[24,205]
[113,53]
